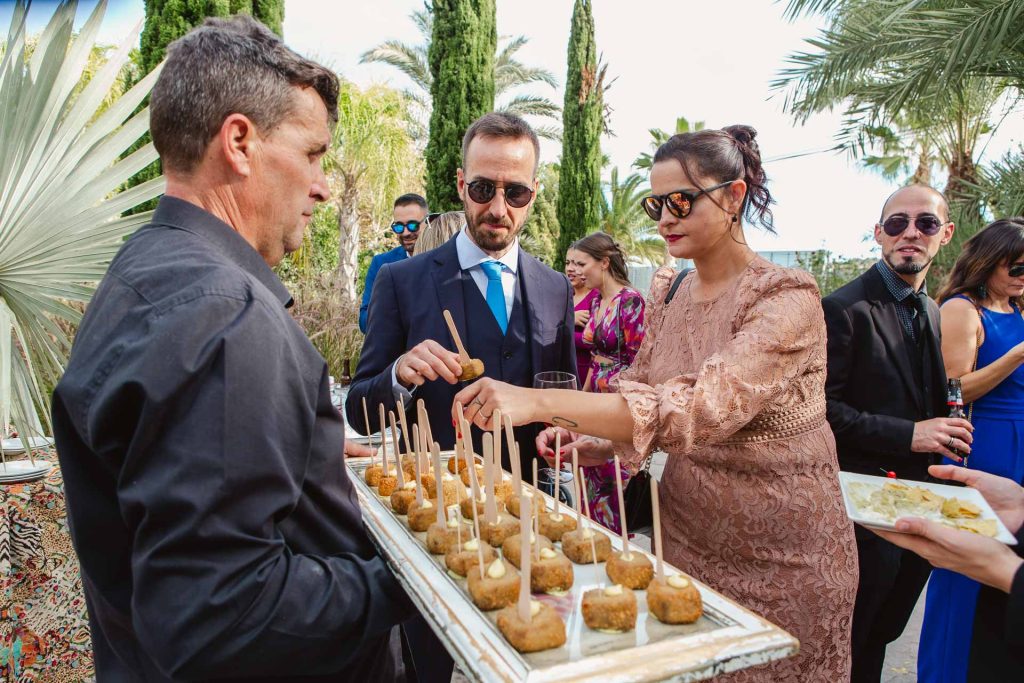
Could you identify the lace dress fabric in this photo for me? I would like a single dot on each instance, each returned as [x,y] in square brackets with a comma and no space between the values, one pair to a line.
[732,390]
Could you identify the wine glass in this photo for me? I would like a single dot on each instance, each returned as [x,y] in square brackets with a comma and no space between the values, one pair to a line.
[555,379]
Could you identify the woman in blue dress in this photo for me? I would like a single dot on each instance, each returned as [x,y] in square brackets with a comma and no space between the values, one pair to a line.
[983,345]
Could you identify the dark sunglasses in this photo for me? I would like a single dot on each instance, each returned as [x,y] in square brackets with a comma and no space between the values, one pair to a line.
[1016,270]
[516,195]
[927,223]
[398,227]
[679,203]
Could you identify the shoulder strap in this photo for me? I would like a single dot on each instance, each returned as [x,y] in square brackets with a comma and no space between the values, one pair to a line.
[675,285]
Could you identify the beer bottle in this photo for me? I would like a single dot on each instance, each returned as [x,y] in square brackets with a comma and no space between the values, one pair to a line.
[955,403]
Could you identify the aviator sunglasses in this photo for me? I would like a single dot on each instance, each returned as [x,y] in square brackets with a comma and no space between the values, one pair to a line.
[1016,270]
[516,195]
[679,203]
[928,224]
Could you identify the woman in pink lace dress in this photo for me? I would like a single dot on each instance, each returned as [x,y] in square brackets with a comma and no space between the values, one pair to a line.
[730,383]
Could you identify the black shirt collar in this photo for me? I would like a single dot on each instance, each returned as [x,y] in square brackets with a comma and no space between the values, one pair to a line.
[894,284]
[184,215]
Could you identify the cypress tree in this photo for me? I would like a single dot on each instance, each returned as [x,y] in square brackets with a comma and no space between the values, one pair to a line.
[461,59]
[168,20]
[579,185]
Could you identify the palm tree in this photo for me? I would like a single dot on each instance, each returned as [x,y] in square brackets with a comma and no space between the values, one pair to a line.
[509,75]
[659,137]
[371,161]
[623,218]
[61,207]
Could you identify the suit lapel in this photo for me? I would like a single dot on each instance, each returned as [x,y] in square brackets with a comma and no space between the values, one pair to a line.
[448,285]
[529,278]
[883,311]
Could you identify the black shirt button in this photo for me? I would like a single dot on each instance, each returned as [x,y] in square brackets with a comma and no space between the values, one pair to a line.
[508,355]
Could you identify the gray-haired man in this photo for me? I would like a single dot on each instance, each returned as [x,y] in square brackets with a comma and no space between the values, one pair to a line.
[218,533]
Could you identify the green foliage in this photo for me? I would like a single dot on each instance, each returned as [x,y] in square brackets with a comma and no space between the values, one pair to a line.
[62,136]
[579,191]
[461,57]
[659,137]
[509,74]
[831,272]
[540,234]
[623,218]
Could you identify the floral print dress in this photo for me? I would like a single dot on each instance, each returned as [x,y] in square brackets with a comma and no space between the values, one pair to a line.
[616,337]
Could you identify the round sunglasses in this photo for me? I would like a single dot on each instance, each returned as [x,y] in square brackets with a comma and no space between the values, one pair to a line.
[482,191]
[678,203]
[929,224]
[398,227]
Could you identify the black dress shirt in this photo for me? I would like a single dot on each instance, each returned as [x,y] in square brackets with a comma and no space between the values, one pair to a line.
[218,532]
[904,295]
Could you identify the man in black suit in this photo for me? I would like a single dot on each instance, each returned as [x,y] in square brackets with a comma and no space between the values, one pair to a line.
[512,312]
[886,400]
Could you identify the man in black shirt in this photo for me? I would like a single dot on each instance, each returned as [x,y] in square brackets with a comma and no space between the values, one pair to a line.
[218,533]
[885,397]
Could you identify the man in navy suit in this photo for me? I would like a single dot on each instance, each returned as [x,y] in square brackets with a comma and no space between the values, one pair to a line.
[410,211]
[512,312]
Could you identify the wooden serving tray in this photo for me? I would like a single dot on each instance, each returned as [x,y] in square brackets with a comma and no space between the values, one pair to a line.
[726,638]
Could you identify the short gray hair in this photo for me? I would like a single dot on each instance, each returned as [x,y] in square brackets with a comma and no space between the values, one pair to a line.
[501,124]
[228,66]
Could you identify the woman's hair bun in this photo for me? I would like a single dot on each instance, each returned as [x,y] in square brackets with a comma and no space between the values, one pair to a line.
[742,134]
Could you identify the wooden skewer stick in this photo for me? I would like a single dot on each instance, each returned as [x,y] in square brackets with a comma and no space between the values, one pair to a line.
[558,469]
[496,417]
[524,558]
[399,474]
[471,367]
[474,483]
[476,527]
[404,422]
[394,437]
[436,452]
[424,420]
[626,555]
[536,518]
[586,506]
[369,439]
[490,508]
[576,477]
[416,470]
[657,530]
[513,457]
[383,447]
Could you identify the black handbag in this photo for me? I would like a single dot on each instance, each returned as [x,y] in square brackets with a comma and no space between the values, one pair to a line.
[637,496]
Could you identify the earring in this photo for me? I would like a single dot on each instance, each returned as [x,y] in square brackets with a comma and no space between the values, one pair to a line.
[982,292]
[734,218]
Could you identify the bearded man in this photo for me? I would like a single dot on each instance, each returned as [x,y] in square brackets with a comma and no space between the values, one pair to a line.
[886,401]
[512,312]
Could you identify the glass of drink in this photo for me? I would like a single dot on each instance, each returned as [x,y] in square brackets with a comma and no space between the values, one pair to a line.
[555,379]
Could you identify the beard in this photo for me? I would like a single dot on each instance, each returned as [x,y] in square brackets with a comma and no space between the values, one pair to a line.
[905,266]
[489,240]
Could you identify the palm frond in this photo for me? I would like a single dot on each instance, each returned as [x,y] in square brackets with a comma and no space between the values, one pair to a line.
[409,59]
[532,105]
[55,245]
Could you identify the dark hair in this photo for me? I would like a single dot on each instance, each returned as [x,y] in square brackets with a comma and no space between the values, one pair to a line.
[998,243]
[227,66]
[601,245]
[501,124]
[726,154]
[411,198]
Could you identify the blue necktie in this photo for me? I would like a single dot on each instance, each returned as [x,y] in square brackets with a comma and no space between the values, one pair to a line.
[495,293]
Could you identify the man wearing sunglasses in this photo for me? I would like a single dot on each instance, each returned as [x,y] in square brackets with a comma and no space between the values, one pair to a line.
[512,312]
[886,401]
[409,214]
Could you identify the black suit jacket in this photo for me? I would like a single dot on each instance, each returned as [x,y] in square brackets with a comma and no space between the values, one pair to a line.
[406,308]
[872,397]
[997,641]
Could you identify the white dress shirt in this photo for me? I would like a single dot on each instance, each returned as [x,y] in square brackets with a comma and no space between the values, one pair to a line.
[470,258]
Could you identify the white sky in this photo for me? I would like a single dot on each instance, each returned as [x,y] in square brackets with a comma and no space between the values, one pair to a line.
[708,61]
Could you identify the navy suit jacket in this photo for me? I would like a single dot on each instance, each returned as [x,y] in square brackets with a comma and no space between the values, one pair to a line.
[394,256]
[406,309]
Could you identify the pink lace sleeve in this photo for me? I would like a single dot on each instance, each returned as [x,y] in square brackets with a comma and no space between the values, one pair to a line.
[779,332]
[636,373]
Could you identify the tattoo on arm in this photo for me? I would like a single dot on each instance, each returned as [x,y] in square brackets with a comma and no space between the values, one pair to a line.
[564,422]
